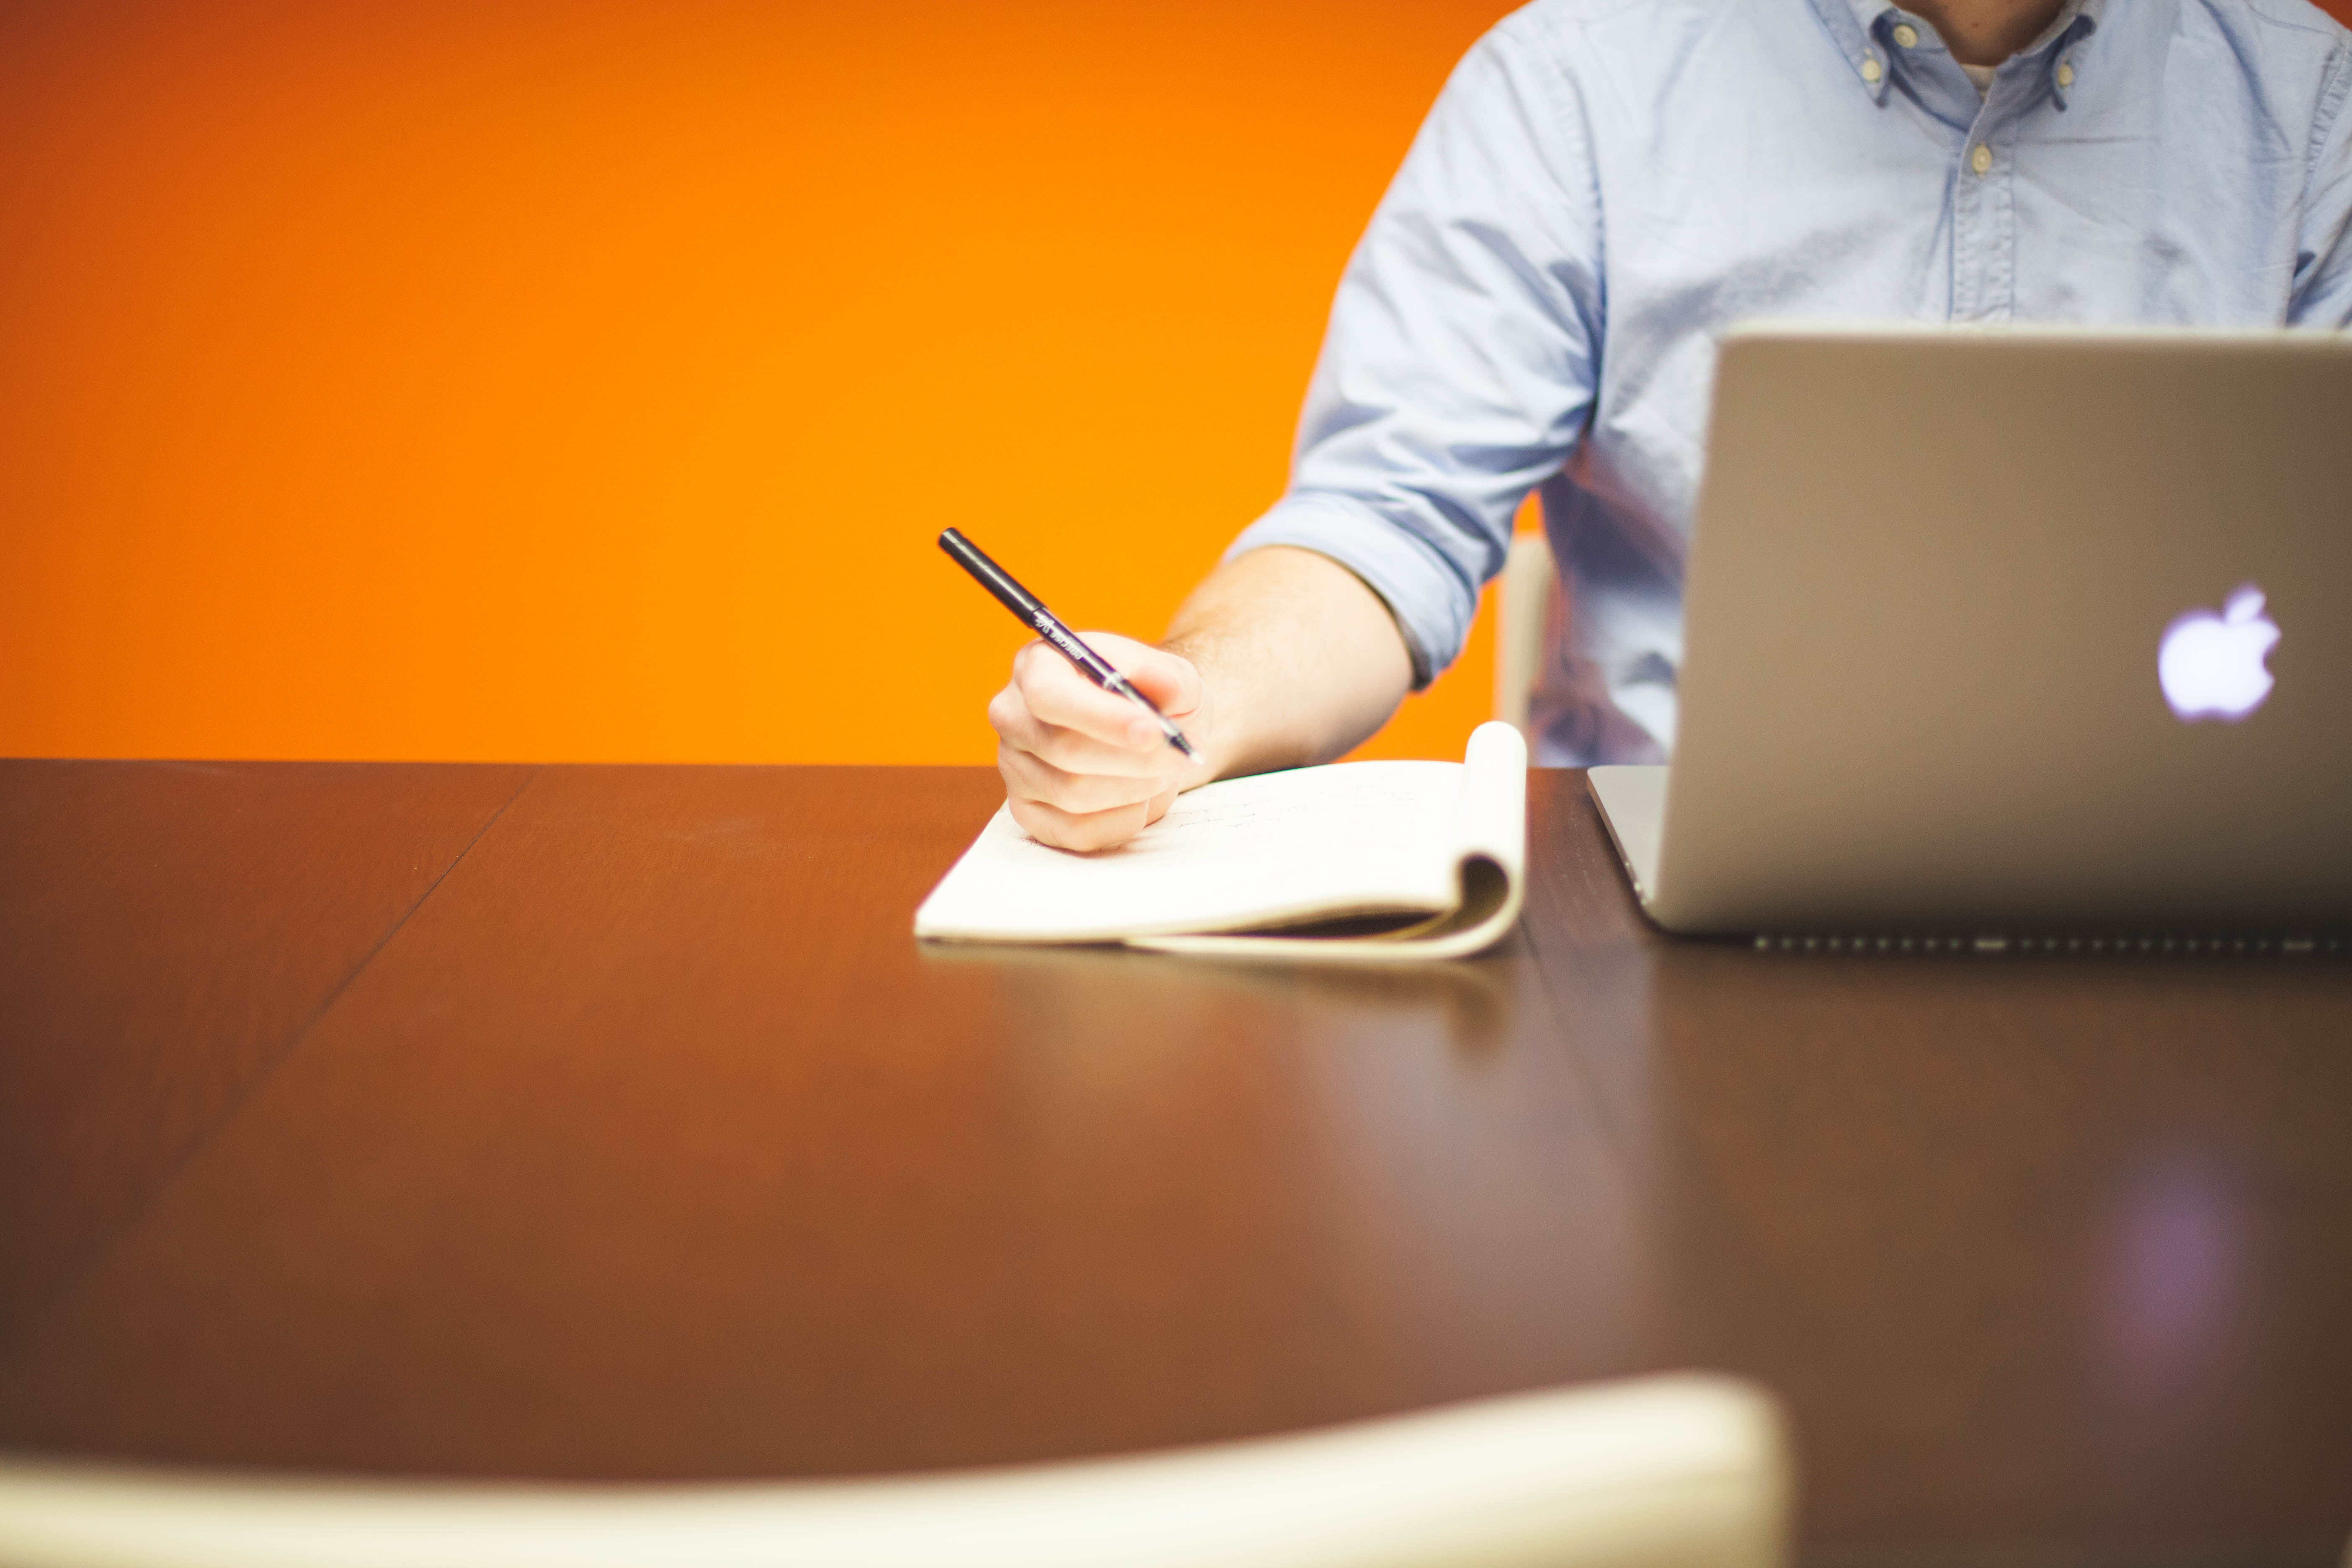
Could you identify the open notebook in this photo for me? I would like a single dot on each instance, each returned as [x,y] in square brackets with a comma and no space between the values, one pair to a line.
[1356,861]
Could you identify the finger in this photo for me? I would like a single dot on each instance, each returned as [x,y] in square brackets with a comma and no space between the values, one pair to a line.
[1030,777]
[1072,750]
[1058,694]
[1067,830]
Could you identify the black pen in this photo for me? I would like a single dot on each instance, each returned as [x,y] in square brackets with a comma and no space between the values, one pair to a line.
[1024,606]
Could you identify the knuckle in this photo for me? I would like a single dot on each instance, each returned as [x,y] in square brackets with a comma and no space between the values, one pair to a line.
[1039,668]
[1020,762]
[1064,750]
[1081,832]
[1095,793]
[1006,711]
[1034,778]
[1011,766]
[1040,823]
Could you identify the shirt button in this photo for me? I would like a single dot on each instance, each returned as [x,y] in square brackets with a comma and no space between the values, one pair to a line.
[1907,35]
[2065,74]
[1981,158]
[1870,71]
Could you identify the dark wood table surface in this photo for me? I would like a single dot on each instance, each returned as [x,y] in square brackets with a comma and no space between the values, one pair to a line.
[607,1123]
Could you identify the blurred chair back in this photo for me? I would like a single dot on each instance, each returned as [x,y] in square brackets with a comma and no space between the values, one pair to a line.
[1671,1472]
[1522,608]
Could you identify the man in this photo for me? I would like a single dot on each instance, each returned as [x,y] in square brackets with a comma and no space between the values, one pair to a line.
[1602,188]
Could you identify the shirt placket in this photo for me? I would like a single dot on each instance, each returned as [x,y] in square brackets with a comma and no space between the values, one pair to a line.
[1983,213]
[1986,212]
[1984,219]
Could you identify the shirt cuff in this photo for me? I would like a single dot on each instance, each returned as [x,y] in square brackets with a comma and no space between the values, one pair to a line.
[1424,592]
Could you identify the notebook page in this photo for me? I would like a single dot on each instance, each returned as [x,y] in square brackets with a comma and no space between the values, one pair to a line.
[1487,845]
[1355,837]
[1492,818]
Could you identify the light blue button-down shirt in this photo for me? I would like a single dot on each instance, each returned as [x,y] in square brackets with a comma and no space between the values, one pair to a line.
[1606,186]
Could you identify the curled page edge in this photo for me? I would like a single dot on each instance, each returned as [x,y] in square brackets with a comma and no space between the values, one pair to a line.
[1491,818]
[1490,848]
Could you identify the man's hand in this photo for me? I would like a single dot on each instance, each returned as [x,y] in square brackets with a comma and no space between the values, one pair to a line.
[1085,769]
[1287,658]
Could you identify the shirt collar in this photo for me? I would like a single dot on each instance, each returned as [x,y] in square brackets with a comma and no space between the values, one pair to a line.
[1854,25]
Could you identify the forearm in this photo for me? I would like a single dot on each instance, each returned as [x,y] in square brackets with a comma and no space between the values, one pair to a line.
[1301,659]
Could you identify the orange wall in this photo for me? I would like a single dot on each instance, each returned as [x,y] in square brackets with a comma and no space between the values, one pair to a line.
[553,379]
[546,379]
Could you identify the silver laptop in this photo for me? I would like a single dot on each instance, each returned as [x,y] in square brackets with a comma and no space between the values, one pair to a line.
[1999,633]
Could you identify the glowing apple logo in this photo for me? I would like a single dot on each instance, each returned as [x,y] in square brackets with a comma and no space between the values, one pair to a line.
[2210,665]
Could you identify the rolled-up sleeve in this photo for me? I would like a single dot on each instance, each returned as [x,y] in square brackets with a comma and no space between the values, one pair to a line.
[1458,368]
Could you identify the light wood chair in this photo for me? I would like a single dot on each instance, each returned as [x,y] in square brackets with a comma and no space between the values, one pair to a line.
[1522,606]
[1672,1472]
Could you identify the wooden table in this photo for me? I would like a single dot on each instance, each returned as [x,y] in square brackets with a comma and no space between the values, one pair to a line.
[589,1122]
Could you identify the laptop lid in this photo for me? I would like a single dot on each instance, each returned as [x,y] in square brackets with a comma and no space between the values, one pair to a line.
[2017,630]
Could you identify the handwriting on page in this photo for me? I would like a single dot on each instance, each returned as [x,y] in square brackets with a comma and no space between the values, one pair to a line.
[1199,826]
